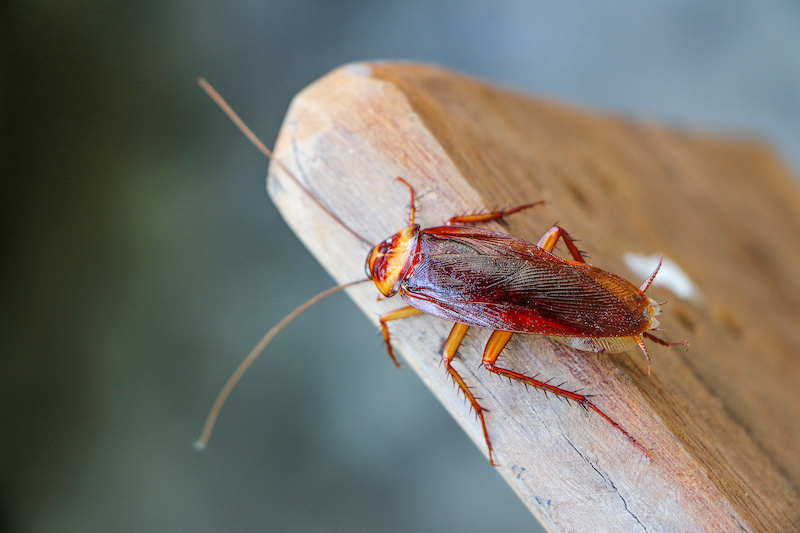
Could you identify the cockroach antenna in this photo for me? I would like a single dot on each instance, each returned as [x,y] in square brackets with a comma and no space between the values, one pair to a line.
[228,110]
[211,419]
[259,348]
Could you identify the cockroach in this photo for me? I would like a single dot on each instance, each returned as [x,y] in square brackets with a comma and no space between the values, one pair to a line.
[480,278]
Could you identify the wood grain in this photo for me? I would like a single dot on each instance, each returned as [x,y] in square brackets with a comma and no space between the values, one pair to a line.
[723,418]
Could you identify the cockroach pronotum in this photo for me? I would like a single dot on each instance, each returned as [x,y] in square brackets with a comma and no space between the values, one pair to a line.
[482,278]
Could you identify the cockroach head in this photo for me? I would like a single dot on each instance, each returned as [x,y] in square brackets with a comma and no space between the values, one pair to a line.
[652,311]
[389,262]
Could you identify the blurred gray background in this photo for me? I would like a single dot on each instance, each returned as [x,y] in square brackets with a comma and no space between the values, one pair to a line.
[142,258]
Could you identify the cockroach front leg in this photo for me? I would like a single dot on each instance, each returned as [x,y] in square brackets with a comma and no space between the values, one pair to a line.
[403,312]
[494,215]
[450,347]
[498,341]
[662,342]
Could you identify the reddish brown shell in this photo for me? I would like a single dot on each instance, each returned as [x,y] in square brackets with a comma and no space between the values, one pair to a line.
[493,280]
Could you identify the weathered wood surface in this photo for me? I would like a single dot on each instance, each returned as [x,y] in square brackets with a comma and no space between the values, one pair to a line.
[723,418]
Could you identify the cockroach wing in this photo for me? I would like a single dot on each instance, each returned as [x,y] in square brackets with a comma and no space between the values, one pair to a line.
[493,280]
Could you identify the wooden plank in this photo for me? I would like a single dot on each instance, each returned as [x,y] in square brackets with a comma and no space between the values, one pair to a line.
[723,418]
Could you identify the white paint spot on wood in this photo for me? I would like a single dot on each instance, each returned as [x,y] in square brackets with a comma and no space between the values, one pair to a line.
[670,276]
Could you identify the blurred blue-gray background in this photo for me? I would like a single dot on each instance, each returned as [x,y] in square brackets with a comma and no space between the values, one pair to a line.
[142,258]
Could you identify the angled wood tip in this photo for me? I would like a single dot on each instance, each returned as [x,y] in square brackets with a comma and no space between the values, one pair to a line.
[719,417]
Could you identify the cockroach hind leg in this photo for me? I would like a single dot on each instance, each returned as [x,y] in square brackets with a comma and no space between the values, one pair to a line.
[499,339]
[580,399]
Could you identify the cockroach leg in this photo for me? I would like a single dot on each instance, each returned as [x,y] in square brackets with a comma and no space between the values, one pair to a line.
[448,353]
[550,238]
[662,342]
[412,209]
[494,215]
[403,312]
[640,341]
[498,341]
